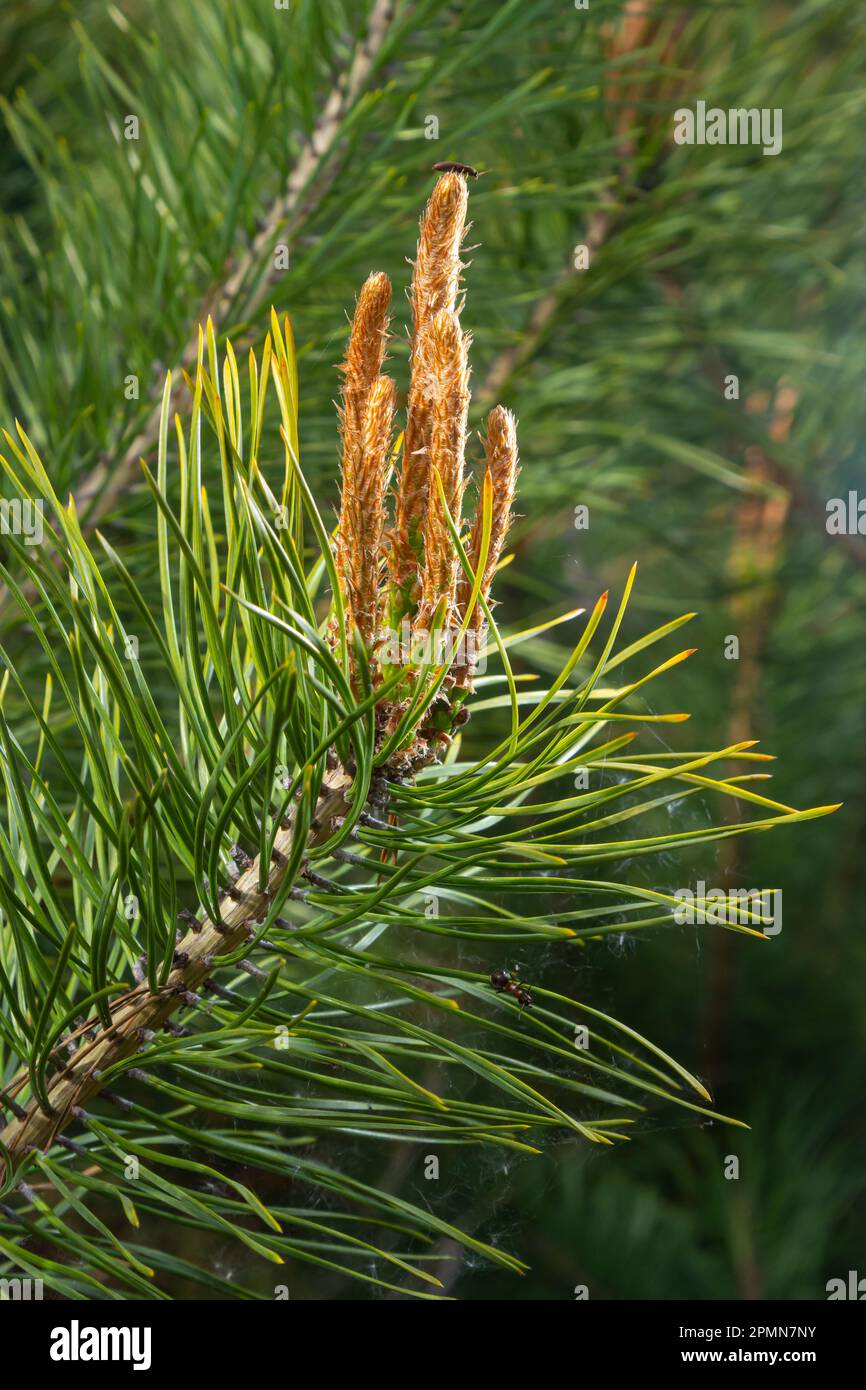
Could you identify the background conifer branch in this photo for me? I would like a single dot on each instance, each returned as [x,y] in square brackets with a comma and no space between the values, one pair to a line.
[246,273]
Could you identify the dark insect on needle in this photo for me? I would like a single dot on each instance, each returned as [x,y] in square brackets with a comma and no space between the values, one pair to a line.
[504,983]
[447,168]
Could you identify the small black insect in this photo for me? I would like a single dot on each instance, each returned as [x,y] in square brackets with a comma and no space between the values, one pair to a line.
[504,983]
[447,168]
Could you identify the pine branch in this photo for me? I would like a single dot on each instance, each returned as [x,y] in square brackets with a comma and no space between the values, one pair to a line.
[267,683]
[138,1016]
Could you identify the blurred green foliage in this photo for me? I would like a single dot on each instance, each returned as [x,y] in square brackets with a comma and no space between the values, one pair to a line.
[705,262]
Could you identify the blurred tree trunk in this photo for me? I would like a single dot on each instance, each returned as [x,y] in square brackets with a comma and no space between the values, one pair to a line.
[752,566]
